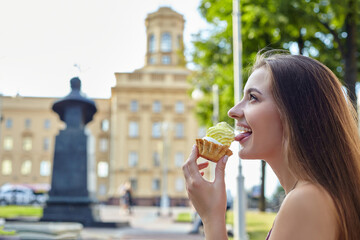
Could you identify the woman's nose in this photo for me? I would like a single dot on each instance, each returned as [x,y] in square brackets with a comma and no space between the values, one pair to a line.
[236,111]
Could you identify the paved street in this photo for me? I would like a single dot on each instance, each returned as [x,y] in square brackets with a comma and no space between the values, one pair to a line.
[145,224]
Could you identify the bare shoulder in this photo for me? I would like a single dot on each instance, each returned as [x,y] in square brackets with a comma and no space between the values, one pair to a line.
[308,212]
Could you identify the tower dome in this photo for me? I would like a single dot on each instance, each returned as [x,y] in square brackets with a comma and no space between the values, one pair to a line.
[164,31]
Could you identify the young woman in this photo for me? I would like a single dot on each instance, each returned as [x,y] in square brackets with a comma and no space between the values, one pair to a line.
[295,116]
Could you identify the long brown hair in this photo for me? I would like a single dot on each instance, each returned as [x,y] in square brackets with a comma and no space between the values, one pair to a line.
[320,127]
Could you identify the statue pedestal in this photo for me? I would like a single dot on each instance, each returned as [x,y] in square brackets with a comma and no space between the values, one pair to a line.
[45,230]
[69,197]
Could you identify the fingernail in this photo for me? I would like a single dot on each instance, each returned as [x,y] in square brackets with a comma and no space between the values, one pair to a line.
[194,146]
[225,158]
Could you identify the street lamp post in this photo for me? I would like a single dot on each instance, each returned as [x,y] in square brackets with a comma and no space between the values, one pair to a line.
[165,202]
[239,221]
[215,118]
[215,89]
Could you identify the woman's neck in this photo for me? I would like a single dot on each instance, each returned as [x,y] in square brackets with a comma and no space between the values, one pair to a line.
[287,180]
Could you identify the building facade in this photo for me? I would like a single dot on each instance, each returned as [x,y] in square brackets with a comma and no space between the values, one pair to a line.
[152,117]
[141,135]
[27,135]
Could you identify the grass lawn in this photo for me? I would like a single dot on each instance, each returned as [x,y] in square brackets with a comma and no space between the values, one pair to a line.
[19,211]
[258,224]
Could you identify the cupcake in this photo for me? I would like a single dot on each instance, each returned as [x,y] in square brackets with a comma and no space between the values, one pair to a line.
[216,143]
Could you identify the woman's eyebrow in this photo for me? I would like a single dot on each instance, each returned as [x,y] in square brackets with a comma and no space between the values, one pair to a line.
[249,90]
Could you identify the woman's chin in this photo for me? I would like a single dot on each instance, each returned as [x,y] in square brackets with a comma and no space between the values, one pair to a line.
[243,154]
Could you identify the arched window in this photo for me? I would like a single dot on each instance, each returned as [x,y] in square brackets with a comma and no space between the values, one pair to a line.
[133,129]
[26,167]
[6,167]
[133,158]
[152,43]
[156,130]
[179,107]
[105,125]
[45,168]
[156,106]
[103,169]
[165,42]
[179,159]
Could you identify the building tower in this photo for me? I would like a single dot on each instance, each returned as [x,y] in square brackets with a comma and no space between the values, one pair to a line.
[152,122]
[164,31]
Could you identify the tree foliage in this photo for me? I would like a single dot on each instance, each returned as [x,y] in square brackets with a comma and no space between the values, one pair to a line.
[322,29]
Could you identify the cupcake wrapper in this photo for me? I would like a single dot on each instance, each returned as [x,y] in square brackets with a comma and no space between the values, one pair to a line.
[212,151]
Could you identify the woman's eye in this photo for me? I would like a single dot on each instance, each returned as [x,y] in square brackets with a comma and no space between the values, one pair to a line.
[252,97]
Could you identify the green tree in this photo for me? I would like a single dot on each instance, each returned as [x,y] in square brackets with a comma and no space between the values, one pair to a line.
[325,30]
[214,59]
[322,29]
[213,56]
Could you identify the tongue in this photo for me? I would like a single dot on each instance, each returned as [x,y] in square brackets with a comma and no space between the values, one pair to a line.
[242,135]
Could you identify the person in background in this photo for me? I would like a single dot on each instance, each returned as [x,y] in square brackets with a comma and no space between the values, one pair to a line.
[294,115]
[128,200]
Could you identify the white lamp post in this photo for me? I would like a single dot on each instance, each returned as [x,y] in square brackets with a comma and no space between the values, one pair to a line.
[215,89]
[239,221]
[197,94]
[165,202]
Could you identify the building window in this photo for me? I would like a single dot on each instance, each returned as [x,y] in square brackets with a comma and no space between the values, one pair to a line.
[133,159]
[156,130]
[156,159]
[6,168]
[47,124]
[105,125]
[133,129]
[26,167]
[179,130]
[179,159]
[166,60]
[133,184]
[8,143]
[103,144]
[134,106]
[165,42]
[179,107]
[152,60]
[45,168]
[103,169]
[27,143]
[9,123]
[156,184]
[152,43]
[179,184]
[46,144]
[27,123]
[156,106]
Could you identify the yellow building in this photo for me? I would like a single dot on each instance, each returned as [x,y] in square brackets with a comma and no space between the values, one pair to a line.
[27,135]
[141,135]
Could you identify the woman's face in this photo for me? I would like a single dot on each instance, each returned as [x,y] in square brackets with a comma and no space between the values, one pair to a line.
[258,119]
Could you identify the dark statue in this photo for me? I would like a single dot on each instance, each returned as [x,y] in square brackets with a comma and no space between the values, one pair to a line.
[69,198]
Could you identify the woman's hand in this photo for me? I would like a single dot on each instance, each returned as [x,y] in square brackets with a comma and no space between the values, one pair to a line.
[208,198]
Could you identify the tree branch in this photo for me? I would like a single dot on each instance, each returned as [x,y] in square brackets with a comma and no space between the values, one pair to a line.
[336,37]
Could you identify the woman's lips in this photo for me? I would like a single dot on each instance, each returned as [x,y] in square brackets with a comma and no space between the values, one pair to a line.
[242,136]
